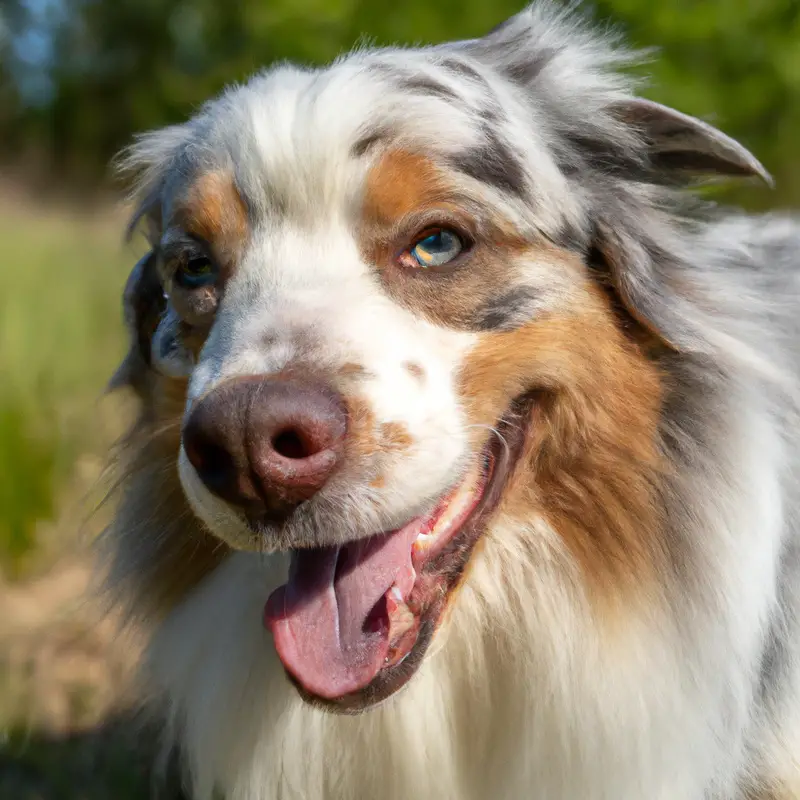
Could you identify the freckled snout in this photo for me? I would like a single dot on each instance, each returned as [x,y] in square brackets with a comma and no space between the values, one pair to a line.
[266,444]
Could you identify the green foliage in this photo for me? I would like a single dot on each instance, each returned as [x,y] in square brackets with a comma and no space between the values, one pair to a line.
[122,66]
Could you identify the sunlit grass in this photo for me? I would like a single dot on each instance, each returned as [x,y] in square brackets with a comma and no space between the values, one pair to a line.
[61,276]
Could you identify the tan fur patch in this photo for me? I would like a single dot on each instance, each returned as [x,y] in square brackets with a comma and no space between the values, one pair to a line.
[591,463]
[213,210]
[350,369]
[361,428]
[396,436]
[399,184]
[415,369]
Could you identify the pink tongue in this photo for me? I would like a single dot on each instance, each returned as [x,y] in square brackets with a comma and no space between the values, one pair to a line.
[330,621]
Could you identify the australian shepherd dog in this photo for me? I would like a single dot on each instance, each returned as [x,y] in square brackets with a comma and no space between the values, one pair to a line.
[467,464]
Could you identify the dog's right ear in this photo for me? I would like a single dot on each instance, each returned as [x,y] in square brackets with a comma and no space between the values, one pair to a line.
[143,305]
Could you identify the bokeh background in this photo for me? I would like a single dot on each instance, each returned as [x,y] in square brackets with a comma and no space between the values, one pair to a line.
[77,79]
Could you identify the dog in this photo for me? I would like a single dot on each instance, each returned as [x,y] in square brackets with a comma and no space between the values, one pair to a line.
[467,463]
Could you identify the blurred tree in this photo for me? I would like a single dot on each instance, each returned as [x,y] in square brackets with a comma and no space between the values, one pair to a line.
[119,66]
[9,101]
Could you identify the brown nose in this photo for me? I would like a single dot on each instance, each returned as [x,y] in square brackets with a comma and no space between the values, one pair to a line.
[266,444]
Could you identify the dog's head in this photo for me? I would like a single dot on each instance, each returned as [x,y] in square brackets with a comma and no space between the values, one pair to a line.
[395,298]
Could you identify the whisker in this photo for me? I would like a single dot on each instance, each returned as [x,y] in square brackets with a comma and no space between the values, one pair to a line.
[494,431]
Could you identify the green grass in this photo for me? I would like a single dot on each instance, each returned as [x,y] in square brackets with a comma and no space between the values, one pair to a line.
[61,678]
[61,276]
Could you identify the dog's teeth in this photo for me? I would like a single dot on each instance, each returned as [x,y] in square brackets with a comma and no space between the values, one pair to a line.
[450,510]
[398,595]
[423,542]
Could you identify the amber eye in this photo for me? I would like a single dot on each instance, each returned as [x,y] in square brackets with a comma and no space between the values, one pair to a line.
[435,249]
[195,272]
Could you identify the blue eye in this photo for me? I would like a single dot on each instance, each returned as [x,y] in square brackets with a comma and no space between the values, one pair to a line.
[196,272]
[436,249]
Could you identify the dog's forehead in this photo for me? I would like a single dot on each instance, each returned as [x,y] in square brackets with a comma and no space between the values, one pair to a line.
[300,143]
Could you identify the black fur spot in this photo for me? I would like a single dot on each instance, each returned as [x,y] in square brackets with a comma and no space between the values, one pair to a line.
[494,163]
[508,311]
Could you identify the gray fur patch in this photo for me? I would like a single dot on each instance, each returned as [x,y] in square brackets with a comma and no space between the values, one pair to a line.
[462,69]
[526,70]
[507,311]
[426,85]
[366,143]
[494,163]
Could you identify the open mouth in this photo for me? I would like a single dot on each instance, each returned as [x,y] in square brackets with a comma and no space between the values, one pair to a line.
[353,622]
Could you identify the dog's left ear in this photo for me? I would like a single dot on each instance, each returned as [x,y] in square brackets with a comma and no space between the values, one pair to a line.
[143,303]
[676,142]
[154,331]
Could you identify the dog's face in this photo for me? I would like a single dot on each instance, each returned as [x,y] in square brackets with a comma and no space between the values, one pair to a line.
[374,289]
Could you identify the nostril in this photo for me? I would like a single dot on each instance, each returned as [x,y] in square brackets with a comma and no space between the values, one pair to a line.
[290,443]
[218,467]
[212,461]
